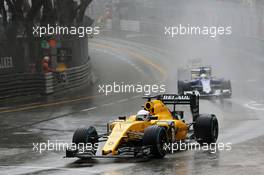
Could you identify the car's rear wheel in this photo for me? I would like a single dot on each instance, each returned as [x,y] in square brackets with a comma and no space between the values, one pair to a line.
[180,87]
[87,137]
[206,129]
[183,86]
[156,137]
[227,86]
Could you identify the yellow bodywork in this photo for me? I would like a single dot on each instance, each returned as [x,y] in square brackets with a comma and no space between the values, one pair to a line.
[120,129]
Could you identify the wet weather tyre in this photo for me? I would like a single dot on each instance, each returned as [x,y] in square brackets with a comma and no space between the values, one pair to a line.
[227,85]
[206,129]
[86,136]
[155,136]
[182,87]
[230,88]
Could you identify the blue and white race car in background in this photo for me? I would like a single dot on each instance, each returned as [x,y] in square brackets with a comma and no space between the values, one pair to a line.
[203,84]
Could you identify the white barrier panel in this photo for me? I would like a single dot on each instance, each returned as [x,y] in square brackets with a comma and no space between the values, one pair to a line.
[48,83]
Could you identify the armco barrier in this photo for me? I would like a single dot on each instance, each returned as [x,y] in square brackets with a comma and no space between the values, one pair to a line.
[27,84]
[14,85]
[72,78]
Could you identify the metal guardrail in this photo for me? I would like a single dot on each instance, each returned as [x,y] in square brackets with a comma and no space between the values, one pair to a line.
[27,84]
[72,78]
[14,85]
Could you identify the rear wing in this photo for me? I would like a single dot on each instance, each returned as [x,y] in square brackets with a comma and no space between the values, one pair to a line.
[174,99]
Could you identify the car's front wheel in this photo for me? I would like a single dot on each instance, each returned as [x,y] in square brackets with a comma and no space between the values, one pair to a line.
[156,137]
[87,137]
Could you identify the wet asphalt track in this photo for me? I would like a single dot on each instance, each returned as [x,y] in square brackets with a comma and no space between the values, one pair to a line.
[148,59]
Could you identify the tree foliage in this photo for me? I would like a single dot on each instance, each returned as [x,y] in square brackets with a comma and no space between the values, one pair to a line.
[26,13]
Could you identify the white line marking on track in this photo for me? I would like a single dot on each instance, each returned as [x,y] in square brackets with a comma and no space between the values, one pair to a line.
[134,97]
[107,104]
[254,105]
[89,109]
[122,100]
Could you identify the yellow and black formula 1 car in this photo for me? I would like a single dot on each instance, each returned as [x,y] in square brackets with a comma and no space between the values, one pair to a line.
[147,132]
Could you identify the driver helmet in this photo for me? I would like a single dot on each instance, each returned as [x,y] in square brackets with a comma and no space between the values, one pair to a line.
[143,114]
[203,76]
